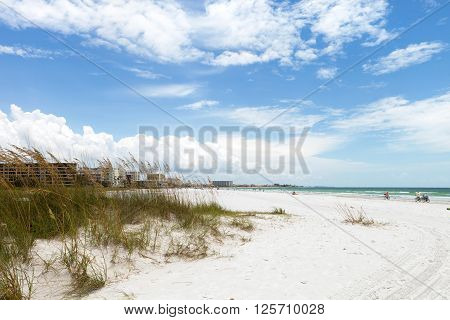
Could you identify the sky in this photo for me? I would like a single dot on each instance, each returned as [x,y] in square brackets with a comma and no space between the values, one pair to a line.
[79,78]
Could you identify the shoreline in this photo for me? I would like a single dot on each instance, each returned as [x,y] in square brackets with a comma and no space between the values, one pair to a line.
[405,198]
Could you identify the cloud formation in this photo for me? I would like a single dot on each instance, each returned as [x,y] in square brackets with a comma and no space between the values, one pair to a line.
[273,116]
[199,105]
[326,73]
[51,133]
[225,32]
[146,74]
[422,123]
[403,58]
[169,90]
[27,52]
[404,124]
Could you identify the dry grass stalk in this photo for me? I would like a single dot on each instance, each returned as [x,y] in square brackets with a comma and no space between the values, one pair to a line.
[355,216]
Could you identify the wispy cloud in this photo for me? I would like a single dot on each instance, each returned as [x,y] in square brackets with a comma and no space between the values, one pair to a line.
[373,85]
[258,116]
[429,4]
[146,74]
[199,105]
[442,21]
[326,73]
[28,52]
[170,90]
[298,101]
[407,123]
[403,58]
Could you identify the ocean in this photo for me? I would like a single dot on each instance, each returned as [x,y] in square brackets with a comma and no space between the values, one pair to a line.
[436,194]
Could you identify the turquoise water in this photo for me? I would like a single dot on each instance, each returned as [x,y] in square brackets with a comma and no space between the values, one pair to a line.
[441,194]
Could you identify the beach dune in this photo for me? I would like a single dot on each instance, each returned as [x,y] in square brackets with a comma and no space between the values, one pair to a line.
[310,253]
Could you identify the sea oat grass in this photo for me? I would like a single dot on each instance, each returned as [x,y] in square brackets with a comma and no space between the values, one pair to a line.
[126,218]
[242,224]
[15,282]
[86,274]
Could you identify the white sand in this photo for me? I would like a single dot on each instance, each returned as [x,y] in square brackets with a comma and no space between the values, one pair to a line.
[303,256]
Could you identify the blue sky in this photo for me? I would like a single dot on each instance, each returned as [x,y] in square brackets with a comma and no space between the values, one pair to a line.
[384,123]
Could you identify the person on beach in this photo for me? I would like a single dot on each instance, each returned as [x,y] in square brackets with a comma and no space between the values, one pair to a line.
[418,196]
[422,197]
[387,196]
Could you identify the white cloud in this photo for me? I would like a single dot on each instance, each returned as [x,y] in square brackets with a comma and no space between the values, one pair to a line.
[223,32]
[298,101]
[51,133]
[199,105]
[429,4]
[146,74]
[245,32]
[230,58]
[422,123]
[259,116]
[156,29]
[442,21]
[403,58]
[307,55]
[326,73]
[169,90]
[373,85]
[27,52]
[340,22]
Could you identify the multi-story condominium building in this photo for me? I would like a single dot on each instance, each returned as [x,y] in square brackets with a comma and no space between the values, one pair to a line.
[28,174]
[220,183]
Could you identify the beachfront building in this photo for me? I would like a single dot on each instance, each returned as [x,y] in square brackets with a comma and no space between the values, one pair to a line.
[144,179]
[222,183]
[118,177]
[156,180]
[29,174]
[102,175]
[67,174]
[131,177]
[174,182]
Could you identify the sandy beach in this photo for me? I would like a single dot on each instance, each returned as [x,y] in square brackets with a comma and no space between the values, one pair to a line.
[309,254]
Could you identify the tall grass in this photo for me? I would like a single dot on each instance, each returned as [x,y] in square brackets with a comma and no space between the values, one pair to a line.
[16,283]
[31,209]
[86,274]
[356,216]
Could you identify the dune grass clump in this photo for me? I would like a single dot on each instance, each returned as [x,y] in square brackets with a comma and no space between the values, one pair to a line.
[355,216]
[86,214]
[86,274]
[242,224]
[278,211]
[191,247]
[15,282]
